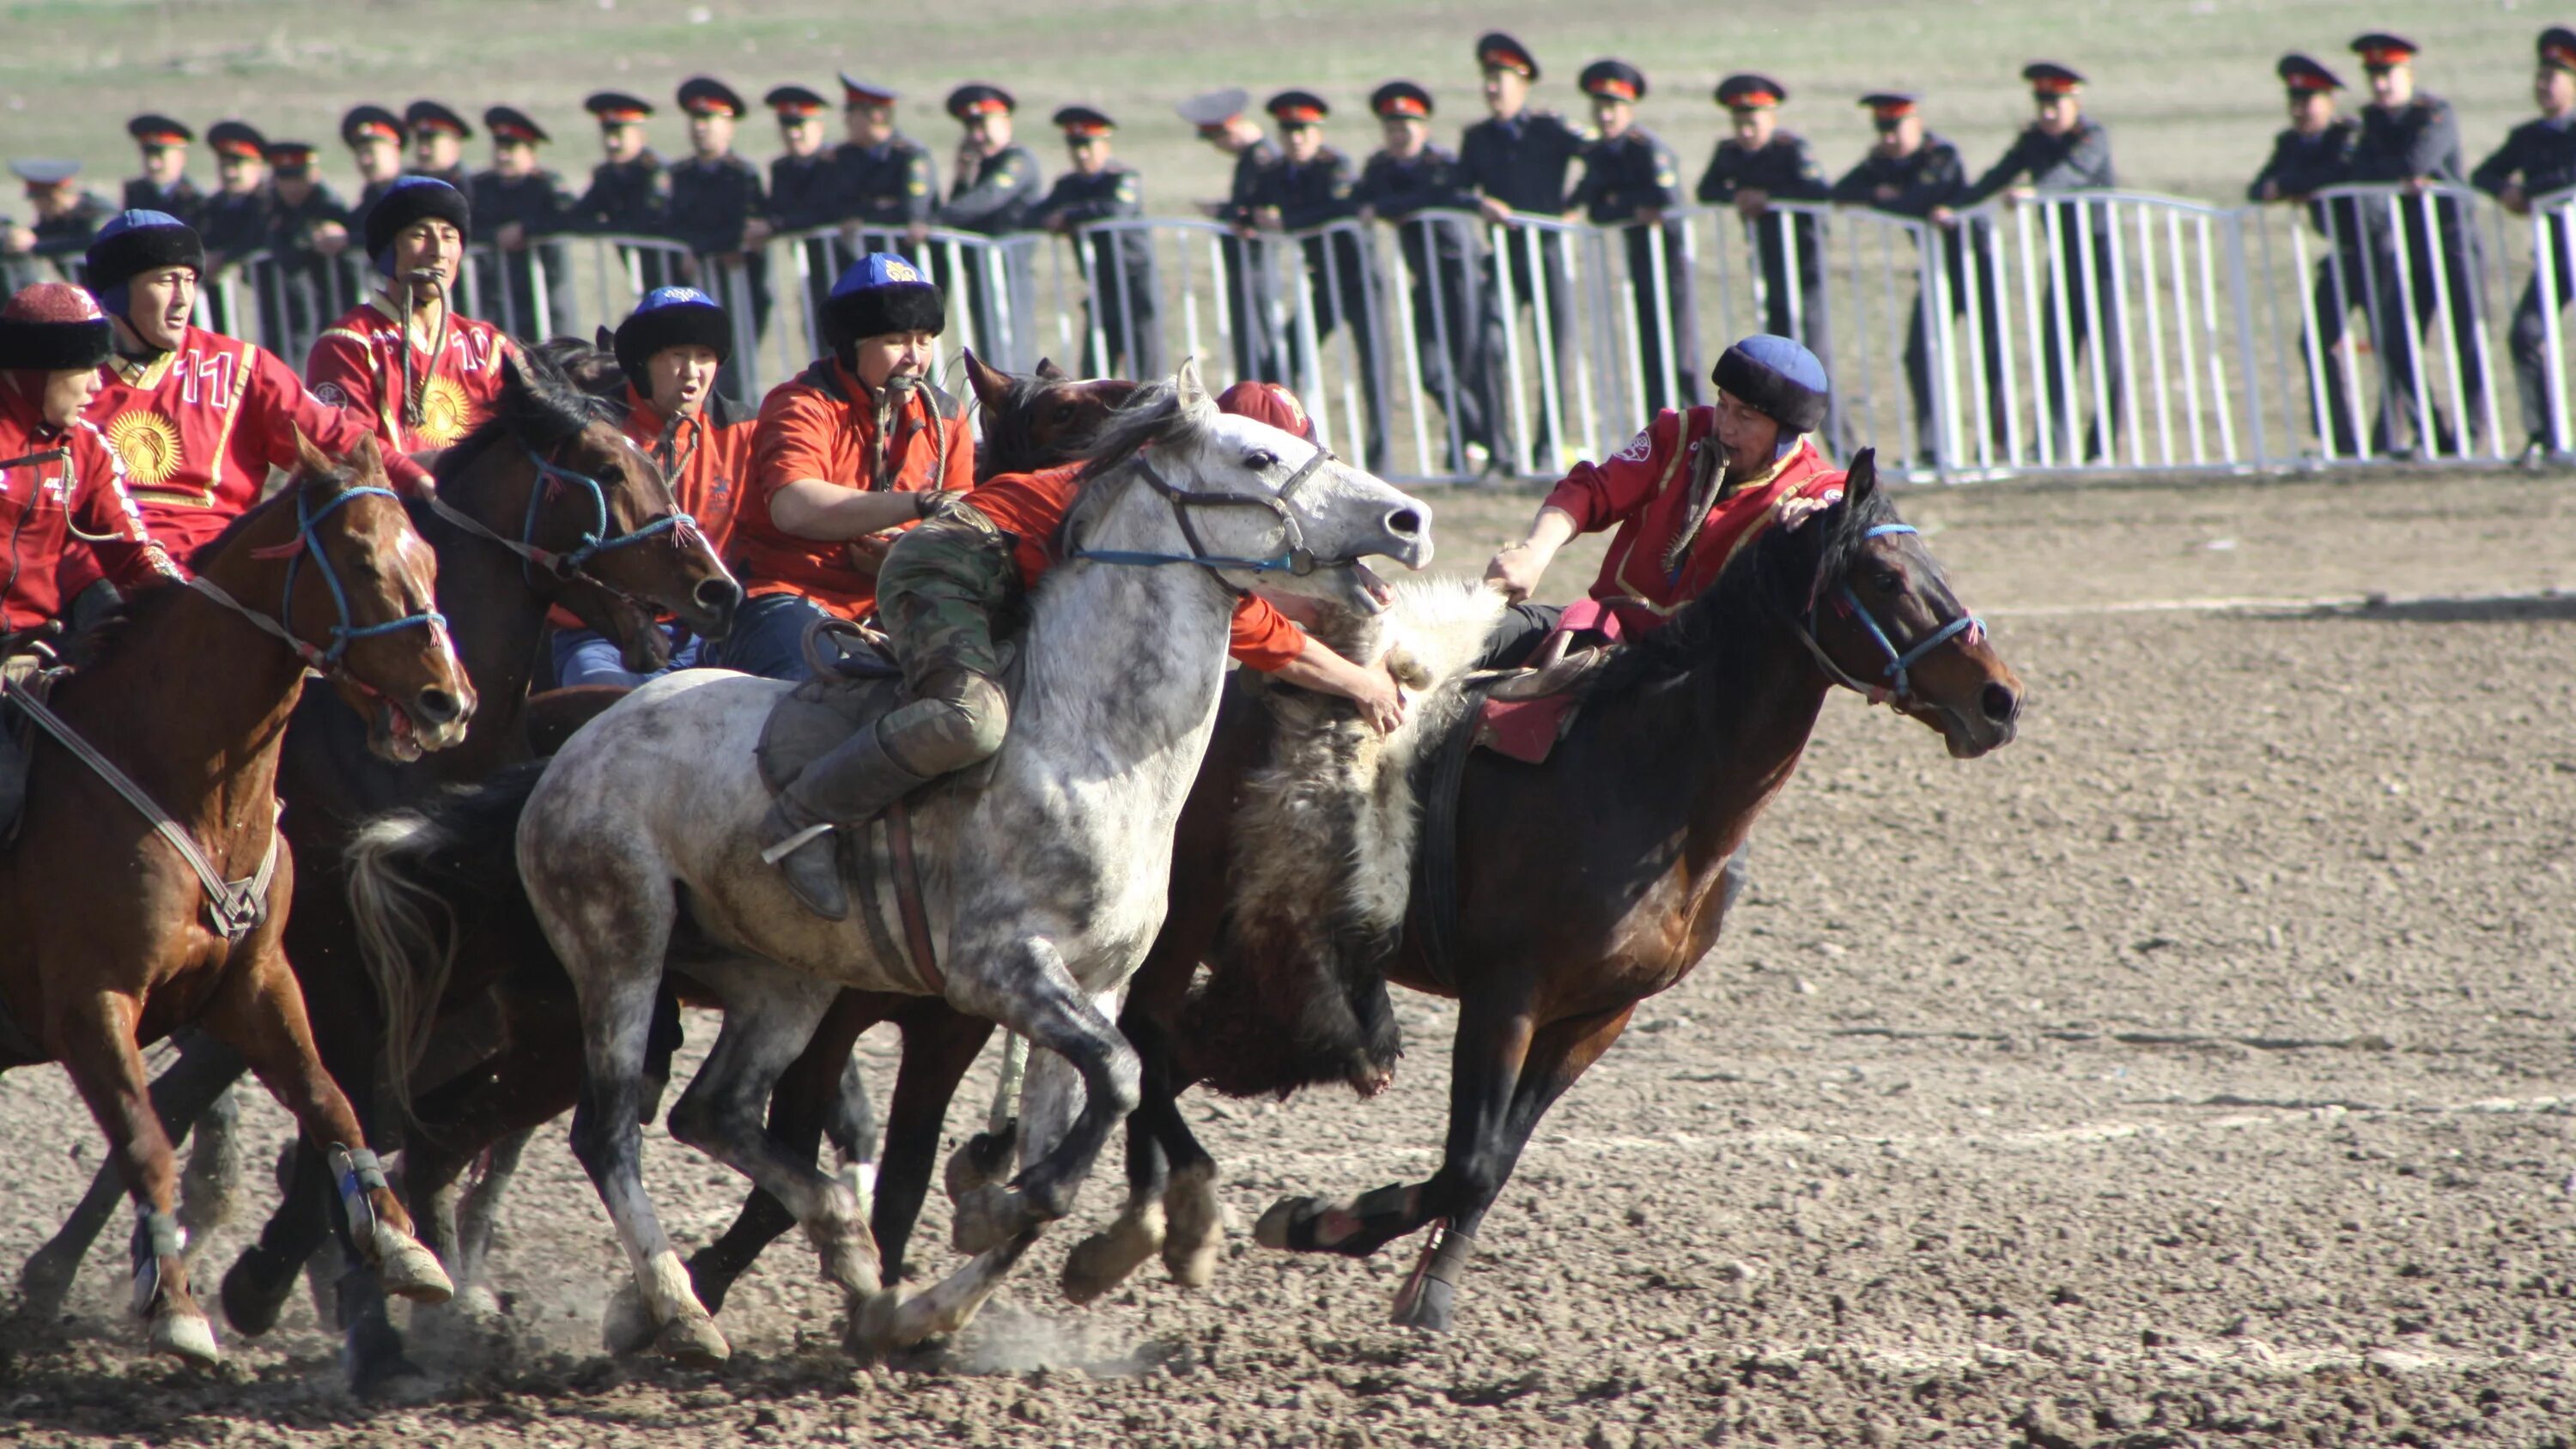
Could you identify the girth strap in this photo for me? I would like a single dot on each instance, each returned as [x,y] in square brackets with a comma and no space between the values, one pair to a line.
[907,897]
[234,908]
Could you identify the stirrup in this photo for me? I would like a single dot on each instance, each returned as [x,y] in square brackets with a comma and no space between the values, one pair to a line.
[794,843]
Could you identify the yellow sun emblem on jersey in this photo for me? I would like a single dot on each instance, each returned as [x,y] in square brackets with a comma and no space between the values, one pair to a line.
[148,444]
[446,414]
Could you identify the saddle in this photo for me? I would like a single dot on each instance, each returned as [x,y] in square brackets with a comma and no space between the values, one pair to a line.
[32,673]
[1524,713]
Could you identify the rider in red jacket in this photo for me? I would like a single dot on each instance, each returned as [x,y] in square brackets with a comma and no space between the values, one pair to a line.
[62,488]
[402,362]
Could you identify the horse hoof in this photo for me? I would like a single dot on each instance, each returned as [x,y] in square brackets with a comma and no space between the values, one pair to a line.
[1199,1222]
[982,1162]
[1426,1304]
[874,1328]
[477,1303]
[184,1334]
[1288,1220]
[45,1284]
[627,1328]
[987,1218]
[252,1303]
[1102,1261]
[408,1270]
[395,1380]
[693,1341]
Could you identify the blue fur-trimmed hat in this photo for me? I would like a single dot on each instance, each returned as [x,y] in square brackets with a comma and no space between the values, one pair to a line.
[881,293]
[671,317]
[408,202]
[1778,377]
[135,242]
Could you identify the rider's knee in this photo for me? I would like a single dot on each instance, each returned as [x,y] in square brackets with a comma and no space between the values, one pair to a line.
[959,723]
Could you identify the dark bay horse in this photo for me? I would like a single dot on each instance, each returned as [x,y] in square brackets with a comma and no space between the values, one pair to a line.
[515,516]
[118,937]
[1644,807]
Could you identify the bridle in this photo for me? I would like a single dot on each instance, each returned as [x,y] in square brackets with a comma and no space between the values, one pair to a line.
[325,662]
[572,565]
[1293,559]
[1895,684]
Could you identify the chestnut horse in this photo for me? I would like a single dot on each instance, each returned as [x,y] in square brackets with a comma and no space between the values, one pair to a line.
[124,927]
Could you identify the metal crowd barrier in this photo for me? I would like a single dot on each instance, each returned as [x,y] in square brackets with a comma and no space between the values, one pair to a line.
[2070,333]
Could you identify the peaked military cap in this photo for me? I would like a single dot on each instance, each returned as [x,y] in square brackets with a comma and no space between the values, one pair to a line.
[1750,92]
[1496,50]
[422,116]
[2048,78]
[291,158]
[2305,73]
[233,138]
[706,96]
[509,123]
[158,130]
[1613,80]
[365,122]
[1081,123]
[39,174]
[857,92]
[1298,108]
[976,98]
[1215,108]
[1887,107]
[795,103]
[2558,47]
[2380,50]
[1400,98]
[617,108]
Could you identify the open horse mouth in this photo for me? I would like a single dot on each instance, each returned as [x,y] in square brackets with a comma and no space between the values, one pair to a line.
[1971,733]
[645,646]
[392,734]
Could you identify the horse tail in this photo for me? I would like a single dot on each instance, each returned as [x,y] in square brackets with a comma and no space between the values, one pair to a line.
[415,878]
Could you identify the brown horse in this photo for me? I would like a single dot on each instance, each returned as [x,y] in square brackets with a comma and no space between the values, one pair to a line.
[118,936]
[1645,807]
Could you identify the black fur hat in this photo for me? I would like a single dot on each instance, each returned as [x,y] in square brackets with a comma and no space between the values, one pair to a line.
[410,200]
[670,317]
[1776,376]
[53,327]
[881,293]
[141,241]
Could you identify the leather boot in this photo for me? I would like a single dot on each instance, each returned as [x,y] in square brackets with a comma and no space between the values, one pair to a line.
[847,787]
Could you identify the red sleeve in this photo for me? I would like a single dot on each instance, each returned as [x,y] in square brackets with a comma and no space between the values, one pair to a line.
[960,458]
[339,374]
[117,540]
[1260,637]
[793,441]
[1600,495]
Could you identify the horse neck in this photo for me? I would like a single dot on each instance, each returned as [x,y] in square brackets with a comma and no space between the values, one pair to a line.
[192,705]
[496,619]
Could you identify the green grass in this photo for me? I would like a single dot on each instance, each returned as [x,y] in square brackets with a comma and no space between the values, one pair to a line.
[2186,85]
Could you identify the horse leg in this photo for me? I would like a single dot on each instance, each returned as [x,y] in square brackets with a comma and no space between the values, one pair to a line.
[478,1217]
[1559,1054]
[204,1069]
[263,1277]
[98,1050]
[210,1187]
[1102,1261]
[985,1158]
[940,1045]
[1171,1204]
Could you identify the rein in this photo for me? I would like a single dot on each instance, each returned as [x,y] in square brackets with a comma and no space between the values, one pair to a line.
[1294,558]
[573,565]
[325,662]
[1896,685]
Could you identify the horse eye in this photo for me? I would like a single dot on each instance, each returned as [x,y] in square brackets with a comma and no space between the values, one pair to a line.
[1260,459]
[1887,581]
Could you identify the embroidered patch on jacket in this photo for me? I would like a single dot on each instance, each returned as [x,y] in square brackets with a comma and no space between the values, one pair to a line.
[148,444]
[1638,449]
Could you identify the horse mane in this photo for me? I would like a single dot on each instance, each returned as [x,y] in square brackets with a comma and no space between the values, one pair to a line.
[1718,634]
[1009,442]
[540,408]
[589,369]
[1154,414]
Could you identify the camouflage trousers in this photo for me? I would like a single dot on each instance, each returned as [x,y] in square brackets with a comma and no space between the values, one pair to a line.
[939,593]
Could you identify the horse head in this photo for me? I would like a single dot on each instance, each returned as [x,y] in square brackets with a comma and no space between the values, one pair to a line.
[357,592]
[1042,420]
[593,513]
[1247,501]
[1881,619]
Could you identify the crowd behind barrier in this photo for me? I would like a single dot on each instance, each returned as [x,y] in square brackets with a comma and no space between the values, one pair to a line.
[2093,331]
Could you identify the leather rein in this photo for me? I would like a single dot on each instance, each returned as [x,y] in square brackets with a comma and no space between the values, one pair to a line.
[1293,558]
[573,565]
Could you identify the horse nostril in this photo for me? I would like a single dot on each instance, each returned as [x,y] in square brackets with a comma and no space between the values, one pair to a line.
[719,596]
[1404,523]
[440,707]
[1999,703]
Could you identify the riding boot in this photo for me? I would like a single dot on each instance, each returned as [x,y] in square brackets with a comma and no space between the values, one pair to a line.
[847,787]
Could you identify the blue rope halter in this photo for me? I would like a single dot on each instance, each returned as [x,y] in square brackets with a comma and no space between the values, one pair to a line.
[1896,678]
[596,539]
[344,633]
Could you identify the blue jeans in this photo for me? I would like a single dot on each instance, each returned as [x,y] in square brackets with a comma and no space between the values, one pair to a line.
[768,637]
[586,656]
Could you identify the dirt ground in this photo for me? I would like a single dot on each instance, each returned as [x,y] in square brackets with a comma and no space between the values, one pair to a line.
[2199,1070]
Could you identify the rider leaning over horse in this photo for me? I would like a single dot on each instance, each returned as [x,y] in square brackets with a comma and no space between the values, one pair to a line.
[199,418]
[937,594]
[62,488]
[418,374]
[1684,494]
[670,348]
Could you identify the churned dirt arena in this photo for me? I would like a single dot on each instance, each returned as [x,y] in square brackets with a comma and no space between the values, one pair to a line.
[2199,1070]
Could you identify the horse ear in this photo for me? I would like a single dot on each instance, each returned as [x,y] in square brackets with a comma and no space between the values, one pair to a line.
[992,385]
[310,461]
[606,341]
[513,376]
[1861,479]
[1048,370]
[1193,393]
[367,458]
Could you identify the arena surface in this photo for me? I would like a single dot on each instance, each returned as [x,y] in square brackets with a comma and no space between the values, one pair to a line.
[2196,1071]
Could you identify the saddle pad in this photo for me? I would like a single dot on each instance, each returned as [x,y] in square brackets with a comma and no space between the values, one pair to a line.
[1525,729]
[17,739]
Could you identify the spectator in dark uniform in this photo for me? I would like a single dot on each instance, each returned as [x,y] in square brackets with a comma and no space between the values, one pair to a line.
[164,185]
[1119,324]
[1406,177]
[886,178]
[2412,139]
[1631,180]
[996,186]
[308,229]
[1518,160]
[2064,152]
[517,203]
[1756,166]
[236,217]
[720,211]
[65,218]
[804,189]
[1311,187]
[374,138]
[438,137]
[630,192]
[1250,291]
[2537,159]
[2313,154]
